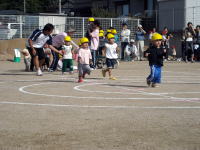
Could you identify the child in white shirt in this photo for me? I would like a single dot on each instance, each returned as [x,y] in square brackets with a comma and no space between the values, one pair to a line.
[67,60]
[110,50]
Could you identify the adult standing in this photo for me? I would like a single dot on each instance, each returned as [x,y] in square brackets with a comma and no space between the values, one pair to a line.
[189,41]
[58,41]
[94,43]
[166,38]
[139,36]
[125,38]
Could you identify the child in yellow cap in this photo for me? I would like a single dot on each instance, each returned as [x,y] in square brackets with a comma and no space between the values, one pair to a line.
[155,56]
[84,59]
[111,52]
[67,60]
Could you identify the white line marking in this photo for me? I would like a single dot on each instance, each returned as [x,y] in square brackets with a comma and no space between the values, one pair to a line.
[111,107]
[21,89]
[105,92]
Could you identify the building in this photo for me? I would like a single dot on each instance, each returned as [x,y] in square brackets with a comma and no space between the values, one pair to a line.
[178,14]
[121,7]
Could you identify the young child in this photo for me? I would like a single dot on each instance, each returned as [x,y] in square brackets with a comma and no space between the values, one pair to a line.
[67,60]
[174,52]
[84,59]
[101,43]
[155,56]
[131,51]
[110,51]
[114,32]
[27,59]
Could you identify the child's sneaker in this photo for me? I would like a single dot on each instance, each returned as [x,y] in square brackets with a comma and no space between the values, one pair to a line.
[154,85]
[148,82]
[39,72]
[80,80]
[113,78]
[104,73]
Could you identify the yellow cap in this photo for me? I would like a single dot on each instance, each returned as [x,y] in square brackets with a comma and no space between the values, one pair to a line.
[101,31]
[91,19]
[108,31]
[68,39]
[156,36]
[110,36]
[114,31]
[84,40]
[101,34]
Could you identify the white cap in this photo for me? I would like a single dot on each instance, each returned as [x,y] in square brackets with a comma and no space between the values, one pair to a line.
[132,40]
[140,26]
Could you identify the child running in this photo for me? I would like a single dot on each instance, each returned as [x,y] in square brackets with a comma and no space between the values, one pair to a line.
[84,59]
[67,50]
[110,51]
[155,56]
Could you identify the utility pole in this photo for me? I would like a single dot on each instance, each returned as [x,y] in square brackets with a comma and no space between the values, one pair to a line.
[60,11]
[24,6]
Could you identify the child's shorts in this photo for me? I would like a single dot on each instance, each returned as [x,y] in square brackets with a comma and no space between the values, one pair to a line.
[83,69]
[111,63]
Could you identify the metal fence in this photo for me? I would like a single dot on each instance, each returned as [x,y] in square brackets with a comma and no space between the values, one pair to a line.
[21,26]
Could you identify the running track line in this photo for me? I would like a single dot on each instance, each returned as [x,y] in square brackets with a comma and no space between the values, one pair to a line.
[109,107]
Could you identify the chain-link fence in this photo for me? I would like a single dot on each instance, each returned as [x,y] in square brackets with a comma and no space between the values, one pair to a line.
[18,26]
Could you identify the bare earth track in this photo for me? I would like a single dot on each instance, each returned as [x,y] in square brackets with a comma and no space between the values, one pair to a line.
[54,112]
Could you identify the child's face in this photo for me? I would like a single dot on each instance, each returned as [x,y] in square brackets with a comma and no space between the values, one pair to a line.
[67,43]
[84,45]
[111,41]
[157,43]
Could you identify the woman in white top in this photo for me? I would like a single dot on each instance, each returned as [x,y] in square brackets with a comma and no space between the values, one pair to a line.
[125,37]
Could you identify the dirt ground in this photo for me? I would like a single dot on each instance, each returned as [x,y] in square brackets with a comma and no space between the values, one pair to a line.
[54,112]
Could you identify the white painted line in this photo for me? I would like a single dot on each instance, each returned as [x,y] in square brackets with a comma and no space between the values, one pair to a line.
[78,88]
[111,107]
[22,89]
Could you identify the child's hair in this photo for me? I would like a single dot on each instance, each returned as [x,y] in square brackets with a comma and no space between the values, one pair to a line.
[97,23]
[48,27]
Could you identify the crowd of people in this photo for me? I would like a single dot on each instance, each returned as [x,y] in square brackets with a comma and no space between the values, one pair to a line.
[108,44]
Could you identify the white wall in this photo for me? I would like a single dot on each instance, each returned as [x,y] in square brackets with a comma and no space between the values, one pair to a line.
[58,22]
[193,11]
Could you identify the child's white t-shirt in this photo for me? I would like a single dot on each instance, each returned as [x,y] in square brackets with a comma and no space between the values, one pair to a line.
[111,51]
[68,51]
[84,55]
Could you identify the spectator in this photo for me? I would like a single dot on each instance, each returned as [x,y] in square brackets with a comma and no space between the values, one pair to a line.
[94,42]
[151,33]
[125,37]
[140,41]
[131,51]
[166,37]
[189,34]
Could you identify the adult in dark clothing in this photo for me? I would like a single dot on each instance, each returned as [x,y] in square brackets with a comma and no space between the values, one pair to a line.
[189,34]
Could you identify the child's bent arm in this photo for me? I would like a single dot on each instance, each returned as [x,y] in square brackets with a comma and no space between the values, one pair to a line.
[103,51]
